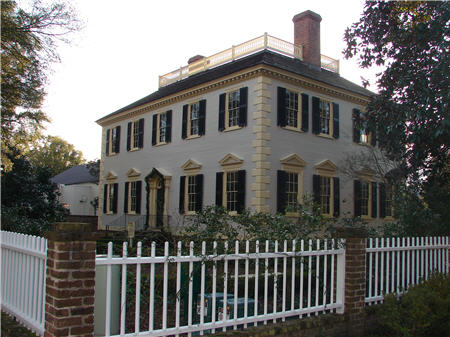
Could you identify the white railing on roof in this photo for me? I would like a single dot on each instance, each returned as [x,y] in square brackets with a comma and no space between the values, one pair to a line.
[23,259]
[262,42]
[395,264]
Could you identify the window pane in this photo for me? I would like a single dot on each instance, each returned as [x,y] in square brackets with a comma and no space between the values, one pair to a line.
[291,104]
[231,191]
[325,115]
[325,194]
[191,193]
[135,134]
[133,196]
[292,190]
[364,198]
[194,118]
[162,127]
[233,108]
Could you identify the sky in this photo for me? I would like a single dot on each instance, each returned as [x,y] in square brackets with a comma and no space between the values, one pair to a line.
[125,45]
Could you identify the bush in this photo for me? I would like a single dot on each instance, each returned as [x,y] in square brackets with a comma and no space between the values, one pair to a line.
[422,311]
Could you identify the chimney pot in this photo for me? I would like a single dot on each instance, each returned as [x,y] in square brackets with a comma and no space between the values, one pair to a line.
[307,34]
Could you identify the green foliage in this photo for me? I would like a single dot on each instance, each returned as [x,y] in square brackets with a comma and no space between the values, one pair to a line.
[214,223]
[56,154]
[28,41]
[29,199]
[422,311]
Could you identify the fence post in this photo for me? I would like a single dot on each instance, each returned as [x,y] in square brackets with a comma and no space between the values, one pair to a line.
[70,281]
[355,278]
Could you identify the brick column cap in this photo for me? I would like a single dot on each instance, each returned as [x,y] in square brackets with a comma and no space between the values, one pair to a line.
[309,13]
[72,231]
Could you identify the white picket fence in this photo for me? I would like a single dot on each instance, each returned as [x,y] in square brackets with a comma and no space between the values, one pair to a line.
[394,264]
[239,287]
[23,278]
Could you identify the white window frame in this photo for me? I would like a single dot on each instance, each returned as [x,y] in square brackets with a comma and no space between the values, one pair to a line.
[109,198]
[330,121]
[111,141]
[189,133]
[287,107]
[158,128]
[236,109]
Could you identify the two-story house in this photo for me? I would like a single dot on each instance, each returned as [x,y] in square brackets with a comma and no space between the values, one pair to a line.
[255,126]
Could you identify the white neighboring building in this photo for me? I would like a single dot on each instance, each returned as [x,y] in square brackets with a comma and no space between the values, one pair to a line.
[78,189]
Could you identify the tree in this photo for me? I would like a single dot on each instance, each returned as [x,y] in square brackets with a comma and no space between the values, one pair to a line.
[29,199]
[56,155]
[410,113]
[411,39]
[28,41]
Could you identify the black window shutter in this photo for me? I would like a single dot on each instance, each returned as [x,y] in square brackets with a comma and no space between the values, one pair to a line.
[181,199]
[117,145]
[198,192]
[374,200]
[108,133]
[305,112]
[281,191]
[241,191]
[335,120]
[138,196]
[105,197]
[336,197]
[281,107]
[222,112]
[202,117]
[115,198]
[243,98]
[357,197]
[184,122]
[316,188]
[125,199]
[219,189]
[356,126]
[154,129]
[315,115]
[382,200]
[169,126]
[141,133]
[129,137]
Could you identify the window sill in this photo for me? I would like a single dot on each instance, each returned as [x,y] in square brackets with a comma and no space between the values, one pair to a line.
[161,144]
[193,137]
[112,154]
[364,144]
[135,149]
[290,128]
[232,128]
[324,135]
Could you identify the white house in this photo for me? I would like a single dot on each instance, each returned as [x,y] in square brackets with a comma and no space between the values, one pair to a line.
[255,126]
[78,188]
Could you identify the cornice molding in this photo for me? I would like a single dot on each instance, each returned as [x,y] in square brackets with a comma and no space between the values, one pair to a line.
[259,70]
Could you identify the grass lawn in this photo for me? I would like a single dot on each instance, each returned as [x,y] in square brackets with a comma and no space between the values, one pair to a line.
[12,328]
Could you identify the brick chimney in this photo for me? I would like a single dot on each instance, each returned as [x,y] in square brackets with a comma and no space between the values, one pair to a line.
[307,34]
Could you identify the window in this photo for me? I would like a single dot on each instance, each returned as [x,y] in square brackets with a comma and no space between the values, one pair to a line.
[292,109]
[193,124]
[191,193]
[230,190]
[112,141]
[233,109]
[365,198]
[162,128]
[325,117]
[132,198]
[386,203]
[135,135]
[326,188]
[110,193]
[361,133]
[289,191]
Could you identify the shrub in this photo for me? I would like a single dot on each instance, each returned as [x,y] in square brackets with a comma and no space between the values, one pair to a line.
[422,311]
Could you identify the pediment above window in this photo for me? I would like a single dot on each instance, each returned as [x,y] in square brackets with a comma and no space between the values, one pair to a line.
[293,160]
[326,167]
[191,165]
[110,176]
[132,173]
[366,174]
[231,161]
